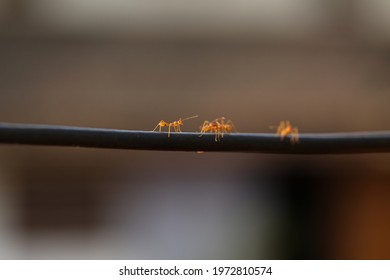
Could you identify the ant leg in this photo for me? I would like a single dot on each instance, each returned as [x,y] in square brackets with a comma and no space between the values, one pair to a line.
[229,122]
[217,135]
[202,131]
[169,130]
[294,136]
[157,126]
[203,128]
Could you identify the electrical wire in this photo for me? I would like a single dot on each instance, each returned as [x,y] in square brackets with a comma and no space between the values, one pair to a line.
[309,143]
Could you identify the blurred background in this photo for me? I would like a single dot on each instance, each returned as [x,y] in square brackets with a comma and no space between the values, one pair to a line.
[126,64]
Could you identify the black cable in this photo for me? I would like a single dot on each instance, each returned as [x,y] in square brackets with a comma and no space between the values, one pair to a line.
[309,143]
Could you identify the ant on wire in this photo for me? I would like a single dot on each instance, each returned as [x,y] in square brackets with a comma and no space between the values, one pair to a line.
[176,124]
[218,126]
[285,128]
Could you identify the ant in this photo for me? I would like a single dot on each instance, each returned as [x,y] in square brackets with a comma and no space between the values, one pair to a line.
[176,124]
[285,128]
[213,126]
[219,126]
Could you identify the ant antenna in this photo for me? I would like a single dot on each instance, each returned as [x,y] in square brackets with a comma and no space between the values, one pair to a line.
[190,118]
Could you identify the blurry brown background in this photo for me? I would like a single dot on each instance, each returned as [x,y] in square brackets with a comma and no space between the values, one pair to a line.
[324,65]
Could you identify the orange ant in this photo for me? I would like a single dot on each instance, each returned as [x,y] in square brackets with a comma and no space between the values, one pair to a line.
[285,128]
[213,126]
[176,125]
[218,126]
